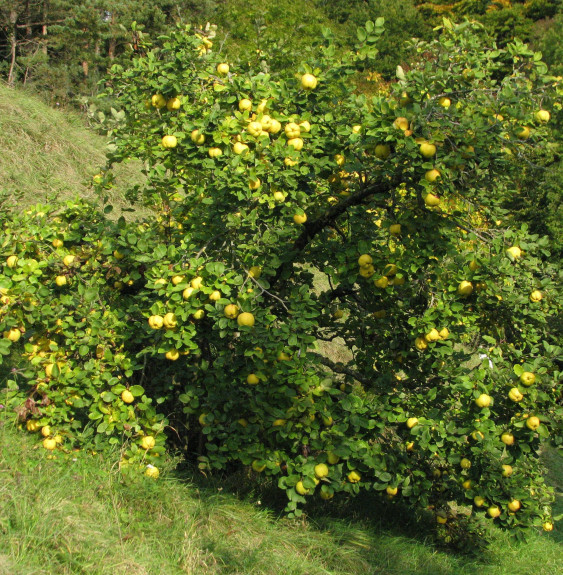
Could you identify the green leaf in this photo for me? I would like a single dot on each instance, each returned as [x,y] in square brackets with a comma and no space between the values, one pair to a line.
[137,390]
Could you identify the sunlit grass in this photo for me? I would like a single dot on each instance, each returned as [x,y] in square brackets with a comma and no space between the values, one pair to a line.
[76,514]
[50,154]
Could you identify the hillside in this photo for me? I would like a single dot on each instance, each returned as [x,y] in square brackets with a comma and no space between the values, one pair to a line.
[72,514]
[48,153]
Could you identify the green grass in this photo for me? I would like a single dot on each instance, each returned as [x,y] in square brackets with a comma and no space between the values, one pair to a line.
[49,153]
[75,515]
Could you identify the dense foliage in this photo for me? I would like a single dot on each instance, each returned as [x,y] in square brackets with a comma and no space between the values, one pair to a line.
[289,210]
[63,49]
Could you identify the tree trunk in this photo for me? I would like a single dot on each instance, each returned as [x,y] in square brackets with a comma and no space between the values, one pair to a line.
[13,40]
[45,14]
[113,39]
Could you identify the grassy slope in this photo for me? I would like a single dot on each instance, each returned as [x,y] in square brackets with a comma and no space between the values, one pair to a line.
[73,515]
[48,153]
[67,517]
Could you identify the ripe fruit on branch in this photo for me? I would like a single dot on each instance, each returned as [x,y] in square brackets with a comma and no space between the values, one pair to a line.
[245,319]
[127,396]
[254,129]
[411,422]
[382,282]
[254,184]
[239,148]
[382,151]
[542,116]
[365,260]
[427,149]
[252,379]
[507,470]
[507,438]
[11,261]
[156,321]
[308,82]
[215,152]
[483,400]
[432,175]
[465,463]
[296,143]
[223,69]
[245,105]
[367,271]
[197,137]
[148,442]
[321,470]
[536,296]
[465,288]
[354,477]
[431,200]
[292,130]
[515,395]
[432,335]
[420,343]
[514,505]
[533,422]
[169,142]
[340,159]
[231,311]
[173,104]
[401,123]
[49,443]
[300,218]
[300,488]
[528,378]
[158,101]
[524,133]
[514,251]
[170,321]
[13,334]
[493,511]
[172,355]
[255,272]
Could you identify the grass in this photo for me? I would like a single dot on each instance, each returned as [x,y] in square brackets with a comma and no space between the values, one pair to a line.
[49,153]
[76,515]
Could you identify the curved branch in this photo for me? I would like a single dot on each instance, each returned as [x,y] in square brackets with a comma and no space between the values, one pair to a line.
[312,228]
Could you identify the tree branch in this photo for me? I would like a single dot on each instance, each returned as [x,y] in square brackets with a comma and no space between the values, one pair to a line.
[312,228]
[337,368]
